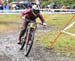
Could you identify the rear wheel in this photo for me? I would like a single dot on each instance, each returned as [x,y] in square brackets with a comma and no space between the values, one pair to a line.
[24,40]
[23,44]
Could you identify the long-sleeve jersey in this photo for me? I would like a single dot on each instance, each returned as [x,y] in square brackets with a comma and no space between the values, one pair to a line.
[30,15]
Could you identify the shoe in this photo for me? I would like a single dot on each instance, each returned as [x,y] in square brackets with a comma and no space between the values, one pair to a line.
[19,42]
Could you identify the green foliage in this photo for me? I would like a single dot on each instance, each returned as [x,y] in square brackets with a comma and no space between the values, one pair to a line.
[45,2]
[5,1]
[11,0]
[62,2]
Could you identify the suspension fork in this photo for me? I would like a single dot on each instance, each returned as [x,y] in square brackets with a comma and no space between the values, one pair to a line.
[28,35]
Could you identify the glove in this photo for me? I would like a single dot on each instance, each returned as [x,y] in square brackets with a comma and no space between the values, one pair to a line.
[23,17]
[44,24]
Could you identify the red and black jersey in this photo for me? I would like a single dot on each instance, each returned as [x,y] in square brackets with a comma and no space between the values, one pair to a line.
[30,15]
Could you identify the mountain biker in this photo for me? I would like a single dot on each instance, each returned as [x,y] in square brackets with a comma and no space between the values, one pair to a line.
[30,14]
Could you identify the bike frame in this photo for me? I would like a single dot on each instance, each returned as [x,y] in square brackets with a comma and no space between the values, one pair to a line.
[29,37]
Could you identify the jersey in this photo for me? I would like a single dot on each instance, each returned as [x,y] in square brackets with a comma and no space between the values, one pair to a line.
[30,15]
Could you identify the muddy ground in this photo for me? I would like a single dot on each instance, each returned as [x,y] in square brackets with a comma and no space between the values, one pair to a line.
[9,50]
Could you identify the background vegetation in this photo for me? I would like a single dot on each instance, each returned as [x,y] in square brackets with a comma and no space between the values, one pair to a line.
[62,2]
[44,3]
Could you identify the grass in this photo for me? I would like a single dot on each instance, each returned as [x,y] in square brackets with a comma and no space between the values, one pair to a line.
[5,19]
[65,43]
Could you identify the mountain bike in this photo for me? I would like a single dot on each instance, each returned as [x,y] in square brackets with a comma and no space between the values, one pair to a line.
[27,42]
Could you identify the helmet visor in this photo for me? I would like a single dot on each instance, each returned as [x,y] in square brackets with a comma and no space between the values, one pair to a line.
[36,11]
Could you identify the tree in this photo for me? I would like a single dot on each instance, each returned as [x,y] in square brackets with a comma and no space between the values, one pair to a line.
[44,3]
[62,2]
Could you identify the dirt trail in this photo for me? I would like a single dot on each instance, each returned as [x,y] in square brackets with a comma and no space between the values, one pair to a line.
[9,50]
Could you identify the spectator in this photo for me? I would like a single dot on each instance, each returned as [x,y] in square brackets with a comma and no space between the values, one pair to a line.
[17,7]
[73,7]
[6,6]
[1,6]
[1,2]
[64,7]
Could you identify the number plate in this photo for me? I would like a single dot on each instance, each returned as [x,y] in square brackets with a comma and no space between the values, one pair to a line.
[33,25]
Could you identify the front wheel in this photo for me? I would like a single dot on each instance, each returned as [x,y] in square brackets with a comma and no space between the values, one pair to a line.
[29,42]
